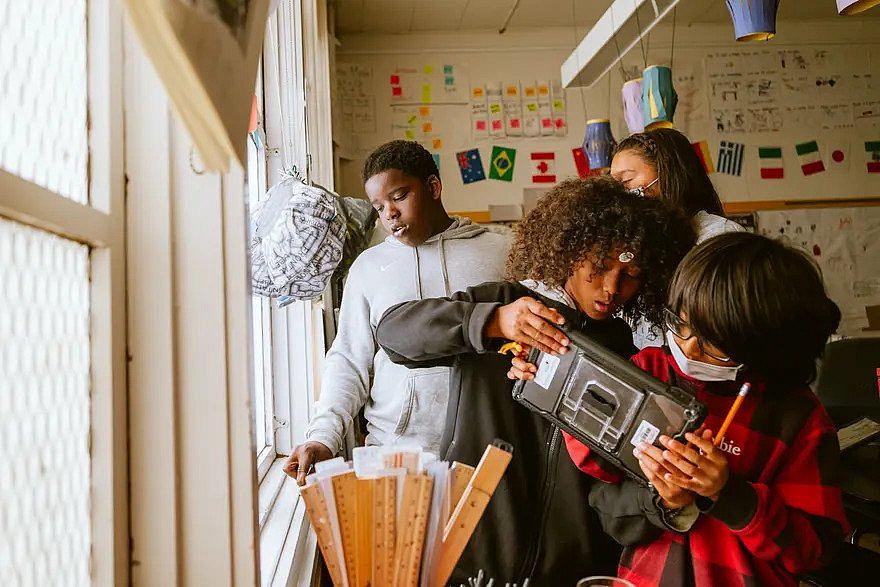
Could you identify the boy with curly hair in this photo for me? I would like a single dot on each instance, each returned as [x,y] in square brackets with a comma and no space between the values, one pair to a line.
[589,253]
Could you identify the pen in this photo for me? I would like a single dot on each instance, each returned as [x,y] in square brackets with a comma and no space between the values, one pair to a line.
[743,391]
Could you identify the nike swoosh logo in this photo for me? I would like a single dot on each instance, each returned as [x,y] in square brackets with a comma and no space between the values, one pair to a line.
[385,267]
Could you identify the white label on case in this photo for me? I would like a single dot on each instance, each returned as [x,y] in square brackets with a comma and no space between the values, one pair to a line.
[546,370]
[646,432]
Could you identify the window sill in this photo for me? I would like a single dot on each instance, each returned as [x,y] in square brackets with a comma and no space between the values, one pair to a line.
[287,544]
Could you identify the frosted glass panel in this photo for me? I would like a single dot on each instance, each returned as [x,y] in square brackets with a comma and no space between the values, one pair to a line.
[44,94]
[44,408]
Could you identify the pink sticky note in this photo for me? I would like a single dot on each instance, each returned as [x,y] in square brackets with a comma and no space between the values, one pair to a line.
[481,125]
[546,122]
[396,91]
[496,125]
[395,80]
[514,123]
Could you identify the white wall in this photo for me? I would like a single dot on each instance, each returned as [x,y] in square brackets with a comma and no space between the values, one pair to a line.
[538,54]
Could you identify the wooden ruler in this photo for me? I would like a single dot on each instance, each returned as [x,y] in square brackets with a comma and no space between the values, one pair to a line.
[411,529]
[316,510]
[365,529]
[459,477]
[469,510]
[345,495]
[385,524]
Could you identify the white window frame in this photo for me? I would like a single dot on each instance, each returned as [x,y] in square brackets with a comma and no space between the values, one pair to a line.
[297,32]
[100,225]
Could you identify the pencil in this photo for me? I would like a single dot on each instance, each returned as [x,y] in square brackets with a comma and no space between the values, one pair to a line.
[743,391]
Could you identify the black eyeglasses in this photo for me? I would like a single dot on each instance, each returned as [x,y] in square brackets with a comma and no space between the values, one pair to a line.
[684,331]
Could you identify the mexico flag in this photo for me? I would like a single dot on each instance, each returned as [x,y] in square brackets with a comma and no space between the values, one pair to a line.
[872,155]
[811,160]
[771,162]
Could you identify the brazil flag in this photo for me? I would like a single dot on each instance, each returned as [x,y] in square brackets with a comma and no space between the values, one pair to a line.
[502,163]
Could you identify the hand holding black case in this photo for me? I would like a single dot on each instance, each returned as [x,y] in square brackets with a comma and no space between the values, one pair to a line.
[606,402]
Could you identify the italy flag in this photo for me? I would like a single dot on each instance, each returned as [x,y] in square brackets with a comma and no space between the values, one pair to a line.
[872,154]
[811,160]
[771,162]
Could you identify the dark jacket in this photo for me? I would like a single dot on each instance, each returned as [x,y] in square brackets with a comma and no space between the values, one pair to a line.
[538,524]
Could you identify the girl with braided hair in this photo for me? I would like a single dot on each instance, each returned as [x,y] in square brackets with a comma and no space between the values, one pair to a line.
[662,164]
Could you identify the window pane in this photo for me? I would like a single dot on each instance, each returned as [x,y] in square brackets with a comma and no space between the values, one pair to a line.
[44,93]
[44,408]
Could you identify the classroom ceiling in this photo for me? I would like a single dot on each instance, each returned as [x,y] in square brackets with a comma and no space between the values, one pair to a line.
[403,16]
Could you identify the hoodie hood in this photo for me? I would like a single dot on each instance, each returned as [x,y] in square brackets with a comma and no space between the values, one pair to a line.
[557,294]
[460,228]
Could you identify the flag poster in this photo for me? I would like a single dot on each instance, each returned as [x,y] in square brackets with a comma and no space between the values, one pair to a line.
[543,167]
[811,160]
[501,167]
[581,162]
[872,156]
[471,166]
[771,162]
[838,156]
[701,148]
[730,158]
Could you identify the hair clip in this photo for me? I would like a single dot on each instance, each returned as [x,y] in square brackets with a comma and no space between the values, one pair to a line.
[626,257]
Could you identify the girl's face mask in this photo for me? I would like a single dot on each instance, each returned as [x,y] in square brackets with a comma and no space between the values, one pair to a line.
[698,369]
[640,191]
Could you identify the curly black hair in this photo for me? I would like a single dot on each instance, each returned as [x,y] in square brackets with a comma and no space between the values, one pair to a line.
[682,178]
[581,220]
[407,156]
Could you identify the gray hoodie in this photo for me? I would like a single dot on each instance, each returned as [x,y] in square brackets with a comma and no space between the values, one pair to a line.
[399,403]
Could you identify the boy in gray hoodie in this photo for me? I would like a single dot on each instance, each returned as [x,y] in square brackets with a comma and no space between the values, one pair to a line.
[428,254]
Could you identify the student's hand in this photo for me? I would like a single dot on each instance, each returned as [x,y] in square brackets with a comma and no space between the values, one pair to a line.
[528,321]
[702,467]
[303,457]
[520,366]
[652,465]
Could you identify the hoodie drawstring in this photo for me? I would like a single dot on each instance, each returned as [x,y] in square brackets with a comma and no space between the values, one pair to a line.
[443,268]
[418,273]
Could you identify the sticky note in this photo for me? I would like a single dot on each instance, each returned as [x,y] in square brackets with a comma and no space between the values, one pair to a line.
[410,134]
[514,123]
[494,108]
[496,125]
[397,91]
[426,93]
[532,107]
[412,119]
[425,111]
[530,92]
[447,69]
[437,143]
[427,127]
[450,80]
[560,123]
[481,125]
[477,92]
[429,69]
[558,105]
[395,80]
[546,122]
[512,90]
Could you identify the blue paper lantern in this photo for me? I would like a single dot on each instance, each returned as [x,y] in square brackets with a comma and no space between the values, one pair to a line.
[658,97]
[753,20]
[848,7]
[599,143]
[632,105]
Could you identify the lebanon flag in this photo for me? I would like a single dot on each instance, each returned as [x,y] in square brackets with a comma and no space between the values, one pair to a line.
[811,160]
[872,155]
[771,162]
[543,167]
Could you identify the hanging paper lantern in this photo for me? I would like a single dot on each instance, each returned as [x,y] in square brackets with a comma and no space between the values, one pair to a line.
[658,97]
[848,7]
[632,105]
[754,20]
[599,143]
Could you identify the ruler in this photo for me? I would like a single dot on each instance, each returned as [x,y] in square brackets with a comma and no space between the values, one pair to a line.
[385,524]
[459,477]
[470,509]
[365,529]
[316,510]
[345,494]
[411,527]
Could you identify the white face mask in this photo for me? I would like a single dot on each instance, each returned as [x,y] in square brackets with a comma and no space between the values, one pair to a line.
[697,369]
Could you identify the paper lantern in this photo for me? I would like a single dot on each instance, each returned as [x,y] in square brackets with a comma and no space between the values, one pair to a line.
[632,105]
[753,20]
[848,7]
[658,97]
[599,143]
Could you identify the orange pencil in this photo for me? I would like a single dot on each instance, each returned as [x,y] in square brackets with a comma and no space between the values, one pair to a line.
[743,391]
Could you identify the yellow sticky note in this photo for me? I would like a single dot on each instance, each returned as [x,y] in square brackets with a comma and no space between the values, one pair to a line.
[438,144]
[558,105]
[412,119]
[425,111]
[409,134]
[429,69]
[532,107]
[427,127]
[494,108]
[426,93]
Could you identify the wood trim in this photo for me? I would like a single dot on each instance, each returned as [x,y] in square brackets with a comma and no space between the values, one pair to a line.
[744,207]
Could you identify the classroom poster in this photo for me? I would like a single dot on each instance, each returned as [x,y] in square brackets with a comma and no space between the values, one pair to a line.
[531,115]
[730,158]
[810,158]
[502,163]
[545,109]
[512,109]
[496,109]
[543,167]
[772,166]
[557,107]
[479,113]
[470,165]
